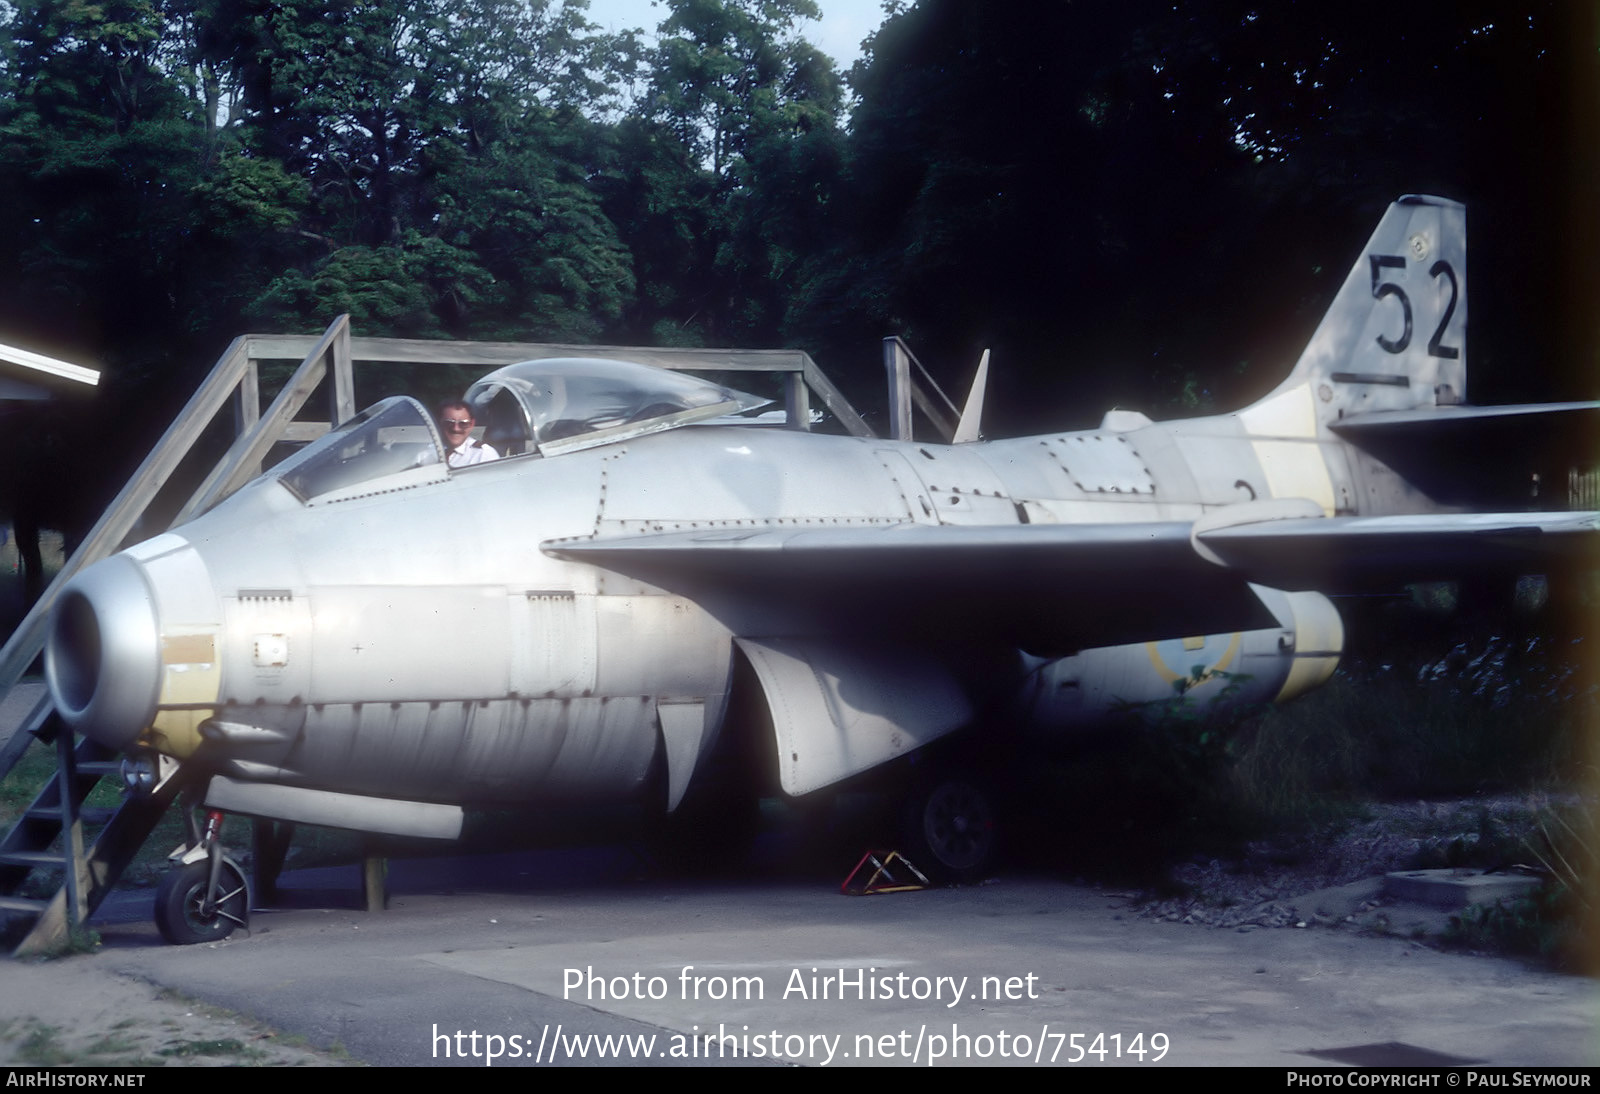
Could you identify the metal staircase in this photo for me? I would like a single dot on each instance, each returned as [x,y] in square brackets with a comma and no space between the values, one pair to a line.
[50,838]
[57,845]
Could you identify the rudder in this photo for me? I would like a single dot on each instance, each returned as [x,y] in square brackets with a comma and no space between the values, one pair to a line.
[1395,335]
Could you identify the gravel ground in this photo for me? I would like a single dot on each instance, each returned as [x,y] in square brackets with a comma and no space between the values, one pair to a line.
[74,1011]
[1265,886]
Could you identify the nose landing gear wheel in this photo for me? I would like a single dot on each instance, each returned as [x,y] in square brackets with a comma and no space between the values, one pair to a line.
[950,830]
[181,912]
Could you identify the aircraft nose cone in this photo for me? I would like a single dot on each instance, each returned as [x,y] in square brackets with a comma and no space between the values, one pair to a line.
[102,659]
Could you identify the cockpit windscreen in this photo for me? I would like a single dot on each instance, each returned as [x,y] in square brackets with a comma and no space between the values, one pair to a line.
[389,436]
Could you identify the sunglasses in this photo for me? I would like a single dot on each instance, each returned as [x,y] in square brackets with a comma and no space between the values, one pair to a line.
[458,423]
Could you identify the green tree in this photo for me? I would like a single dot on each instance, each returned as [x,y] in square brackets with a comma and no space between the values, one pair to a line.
[444,149]
[661,201]
[1152,204]
[756,107]
[130,218]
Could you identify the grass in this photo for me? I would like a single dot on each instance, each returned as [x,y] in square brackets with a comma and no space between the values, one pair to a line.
[1430,702]
[132,1043]
[1552,923]
[111,1044]
[1454,708]
[79,940]
[1539,926]
[42,1045]
[1379,735]
[336,1051]
[36,765]
[226,1046]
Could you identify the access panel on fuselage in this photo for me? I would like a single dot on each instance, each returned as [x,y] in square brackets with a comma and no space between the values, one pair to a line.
[717,477]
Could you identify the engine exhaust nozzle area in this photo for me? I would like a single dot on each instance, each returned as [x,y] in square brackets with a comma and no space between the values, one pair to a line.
[102,658]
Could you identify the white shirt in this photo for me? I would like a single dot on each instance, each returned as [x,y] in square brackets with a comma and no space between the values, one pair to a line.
[469,452]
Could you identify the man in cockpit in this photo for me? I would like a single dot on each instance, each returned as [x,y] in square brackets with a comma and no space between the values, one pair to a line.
[455,424]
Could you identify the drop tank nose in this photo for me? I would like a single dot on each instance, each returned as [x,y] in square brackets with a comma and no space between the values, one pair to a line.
[102,658]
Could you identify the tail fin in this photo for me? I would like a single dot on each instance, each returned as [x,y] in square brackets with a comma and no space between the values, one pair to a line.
[1395,337]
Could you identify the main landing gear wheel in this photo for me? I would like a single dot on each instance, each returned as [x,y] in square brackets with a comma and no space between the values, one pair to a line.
[951,830]
[181,906]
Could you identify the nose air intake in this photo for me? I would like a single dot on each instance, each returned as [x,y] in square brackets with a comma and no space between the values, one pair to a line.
[102,659]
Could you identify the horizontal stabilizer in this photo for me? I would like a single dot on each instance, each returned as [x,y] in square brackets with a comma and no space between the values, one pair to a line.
[1584,415]
[1366,554]
[1483,457]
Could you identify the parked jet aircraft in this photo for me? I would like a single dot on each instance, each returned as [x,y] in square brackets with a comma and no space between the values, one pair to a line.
[366,638]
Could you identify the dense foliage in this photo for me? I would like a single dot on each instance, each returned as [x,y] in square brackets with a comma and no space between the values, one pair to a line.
[1144,203]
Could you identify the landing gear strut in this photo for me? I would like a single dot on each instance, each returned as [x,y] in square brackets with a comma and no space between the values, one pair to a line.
[205,895]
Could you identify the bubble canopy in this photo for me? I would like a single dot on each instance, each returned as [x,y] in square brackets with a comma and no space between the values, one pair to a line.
[552,406]
[561,404]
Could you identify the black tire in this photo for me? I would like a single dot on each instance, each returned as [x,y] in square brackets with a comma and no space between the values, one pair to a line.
[181,894]
[951,830]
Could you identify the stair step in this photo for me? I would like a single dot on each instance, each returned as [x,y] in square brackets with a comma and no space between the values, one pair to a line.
[25,905]
[89,814]
[32,858]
